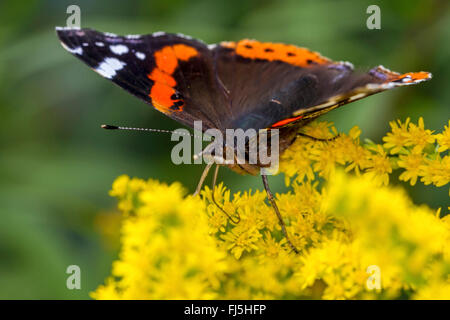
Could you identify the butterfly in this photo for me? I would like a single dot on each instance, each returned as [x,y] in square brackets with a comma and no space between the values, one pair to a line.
[245,84]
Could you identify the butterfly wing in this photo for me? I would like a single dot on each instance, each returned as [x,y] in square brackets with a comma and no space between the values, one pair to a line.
[274,85]
[248,84]
[173,73]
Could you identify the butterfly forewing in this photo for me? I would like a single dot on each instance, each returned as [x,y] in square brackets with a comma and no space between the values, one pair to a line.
[173,73]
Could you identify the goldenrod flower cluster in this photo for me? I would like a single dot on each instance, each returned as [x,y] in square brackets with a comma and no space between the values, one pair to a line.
[358,236]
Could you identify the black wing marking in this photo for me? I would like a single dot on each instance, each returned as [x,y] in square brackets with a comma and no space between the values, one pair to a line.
[128,60]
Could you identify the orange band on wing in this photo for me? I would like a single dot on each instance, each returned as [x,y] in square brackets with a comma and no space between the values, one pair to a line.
[413,77]
[161,96]
[163,93]
[393,78]
[184,52]
[285,122]
[252,49]
[165,59]
[158,76]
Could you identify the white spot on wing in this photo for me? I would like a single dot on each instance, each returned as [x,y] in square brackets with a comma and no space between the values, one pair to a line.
[380,86]
[133,36]
[140,55]
[384,69]
[66,28]
[212,46]
[99,44]
[109,66]
[109,34]
[77,50]
[119,49]
[158,33]
[347,64]
[184,36]
[357,96]
[406,78]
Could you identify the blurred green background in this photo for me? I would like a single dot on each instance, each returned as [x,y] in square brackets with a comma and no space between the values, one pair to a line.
[57,165]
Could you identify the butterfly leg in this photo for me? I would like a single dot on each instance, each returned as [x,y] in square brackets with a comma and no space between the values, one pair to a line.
[233,220]
[202,178]
[275,207]
[301,134]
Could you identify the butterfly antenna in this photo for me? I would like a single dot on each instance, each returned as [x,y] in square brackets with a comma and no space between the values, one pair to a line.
[275,207]
[111,127]
[233,220]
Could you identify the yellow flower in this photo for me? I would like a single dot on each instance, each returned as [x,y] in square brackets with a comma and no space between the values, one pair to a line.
[418,136]
[240,239]
[412,163]
[302,170]
[393,234]
[436,171]
[398,138]
[119,187]
[175,246]
[437,291]
[379,166]
[356,155]
[443,139]
[167,249]
[322,130]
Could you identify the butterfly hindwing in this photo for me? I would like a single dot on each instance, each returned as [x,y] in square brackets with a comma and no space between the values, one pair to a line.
[272,85]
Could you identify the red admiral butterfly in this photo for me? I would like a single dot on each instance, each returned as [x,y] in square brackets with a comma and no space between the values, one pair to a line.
[230,85]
